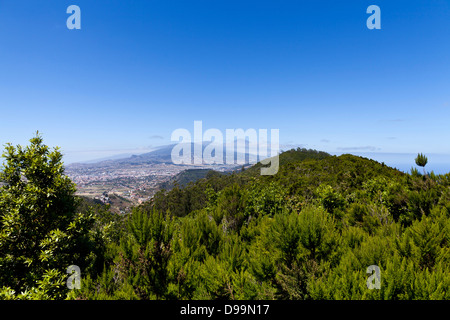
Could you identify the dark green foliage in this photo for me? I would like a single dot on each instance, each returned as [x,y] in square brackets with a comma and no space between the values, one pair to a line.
[41,232]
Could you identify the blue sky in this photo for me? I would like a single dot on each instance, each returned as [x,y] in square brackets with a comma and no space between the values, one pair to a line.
[138,70]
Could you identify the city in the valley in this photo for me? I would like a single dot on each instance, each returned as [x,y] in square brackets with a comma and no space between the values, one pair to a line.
[127,182]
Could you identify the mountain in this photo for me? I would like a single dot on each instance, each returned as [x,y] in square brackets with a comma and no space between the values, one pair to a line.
[162,155]
[113,157]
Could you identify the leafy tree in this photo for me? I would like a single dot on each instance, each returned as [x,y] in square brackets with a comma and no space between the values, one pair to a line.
[41,233]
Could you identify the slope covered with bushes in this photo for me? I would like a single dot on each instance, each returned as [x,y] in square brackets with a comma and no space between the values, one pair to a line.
[309,232]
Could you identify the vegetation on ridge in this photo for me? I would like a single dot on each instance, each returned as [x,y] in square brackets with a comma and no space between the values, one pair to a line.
[308,232]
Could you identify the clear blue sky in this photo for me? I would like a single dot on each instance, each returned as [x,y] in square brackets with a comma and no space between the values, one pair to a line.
[138,70]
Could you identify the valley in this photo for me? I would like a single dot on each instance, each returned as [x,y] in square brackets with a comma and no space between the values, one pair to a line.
[124,183]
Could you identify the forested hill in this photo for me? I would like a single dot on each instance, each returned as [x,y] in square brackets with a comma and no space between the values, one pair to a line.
[308,232]
[301,172]
[184,178]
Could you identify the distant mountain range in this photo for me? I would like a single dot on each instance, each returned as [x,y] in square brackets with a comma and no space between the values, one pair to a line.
[113,157]
[159,156]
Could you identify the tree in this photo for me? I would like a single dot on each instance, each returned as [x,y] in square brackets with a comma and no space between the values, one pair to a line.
[422,161]
[41,234]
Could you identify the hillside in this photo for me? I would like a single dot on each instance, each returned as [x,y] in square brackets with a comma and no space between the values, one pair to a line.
[311,231]
[301,172]
[291,156]
[185,177]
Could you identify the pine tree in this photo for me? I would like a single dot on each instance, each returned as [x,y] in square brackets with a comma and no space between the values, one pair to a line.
[145,253]
[422,161]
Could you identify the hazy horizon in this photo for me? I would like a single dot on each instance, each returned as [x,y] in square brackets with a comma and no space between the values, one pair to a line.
[438,163]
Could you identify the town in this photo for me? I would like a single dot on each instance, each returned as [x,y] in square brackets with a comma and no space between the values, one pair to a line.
[126,185]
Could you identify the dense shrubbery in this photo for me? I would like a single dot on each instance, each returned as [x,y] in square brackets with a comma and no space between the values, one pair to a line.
[308,232]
